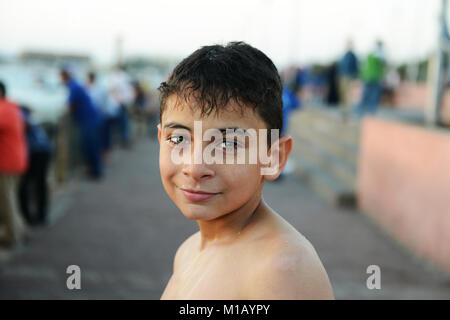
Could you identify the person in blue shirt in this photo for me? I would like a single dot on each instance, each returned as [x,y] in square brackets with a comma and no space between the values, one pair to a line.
[106,106]
[89,121]
[348,65]
[348,72]
[290,102]
[33,184]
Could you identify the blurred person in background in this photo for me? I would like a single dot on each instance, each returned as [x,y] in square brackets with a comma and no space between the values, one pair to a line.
[88,119]
[291,102]
[33,184]
[372,75]
[301,80]
[123,94]
[108,108]
[317,79]
[332,97]
[348,72]
[290,98]
[392,82]
[152,112]
[139,106]
[13,163]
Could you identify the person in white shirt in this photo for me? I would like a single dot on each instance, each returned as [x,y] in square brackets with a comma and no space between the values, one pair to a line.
[123,94]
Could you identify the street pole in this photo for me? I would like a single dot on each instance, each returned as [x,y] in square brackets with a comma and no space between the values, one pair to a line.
[119,50]
[432,113]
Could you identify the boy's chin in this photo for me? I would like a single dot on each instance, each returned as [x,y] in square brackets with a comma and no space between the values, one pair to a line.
[199,214]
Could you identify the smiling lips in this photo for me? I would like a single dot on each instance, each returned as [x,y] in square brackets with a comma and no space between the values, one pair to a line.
[197,195]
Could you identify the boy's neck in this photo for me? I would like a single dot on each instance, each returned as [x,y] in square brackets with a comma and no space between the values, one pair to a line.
[228,227]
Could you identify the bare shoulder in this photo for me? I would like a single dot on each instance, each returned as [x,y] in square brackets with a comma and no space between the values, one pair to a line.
[184,250]
[289,268]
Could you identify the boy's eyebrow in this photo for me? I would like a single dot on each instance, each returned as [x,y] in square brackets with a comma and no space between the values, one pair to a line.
[175,125]
[224,130]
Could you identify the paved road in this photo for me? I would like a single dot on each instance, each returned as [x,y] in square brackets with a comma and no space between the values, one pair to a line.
[123,232]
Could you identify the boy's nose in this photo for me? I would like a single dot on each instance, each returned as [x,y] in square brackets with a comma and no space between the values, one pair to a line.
[197,171]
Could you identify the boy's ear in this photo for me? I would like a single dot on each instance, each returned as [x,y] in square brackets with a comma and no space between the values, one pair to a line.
[282,150]
[159,132]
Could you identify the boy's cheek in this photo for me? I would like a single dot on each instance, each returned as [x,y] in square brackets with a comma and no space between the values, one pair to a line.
[241,175]
[167,168]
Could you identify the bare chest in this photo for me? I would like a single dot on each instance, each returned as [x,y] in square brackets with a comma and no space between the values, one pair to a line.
[214,278]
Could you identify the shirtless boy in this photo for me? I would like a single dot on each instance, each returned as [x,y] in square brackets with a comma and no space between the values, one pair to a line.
[243,249]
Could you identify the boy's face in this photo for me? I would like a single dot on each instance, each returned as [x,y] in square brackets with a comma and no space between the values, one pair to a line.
[229,186]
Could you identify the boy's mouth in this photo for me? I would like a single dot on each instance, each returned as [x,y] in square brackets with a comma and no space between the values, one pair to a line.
[197,195]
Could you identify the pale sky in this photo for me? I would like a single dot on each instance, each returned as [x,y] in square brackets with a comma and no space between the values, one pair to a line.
[288,31]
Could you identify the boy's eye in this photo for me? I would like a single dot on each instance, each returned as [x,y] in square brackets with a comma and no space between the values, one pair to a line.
[177,139]
[230,145]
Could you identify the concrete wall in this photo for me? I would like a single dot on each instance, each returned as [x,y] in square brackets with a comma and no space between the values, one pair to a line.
[404,184]
[406,96]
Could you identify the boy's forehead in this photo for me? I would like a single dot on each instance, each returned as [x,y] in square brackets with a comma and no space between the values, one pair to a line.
[232,116]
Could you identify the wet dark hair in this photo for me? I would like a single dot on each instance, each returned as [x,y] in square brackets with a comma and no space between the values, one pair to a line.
[215,75]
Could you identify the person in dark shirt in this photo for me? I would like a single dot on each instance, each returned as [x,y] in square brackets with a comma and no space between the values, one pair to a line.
[332,85]
[89,121]
[33,184]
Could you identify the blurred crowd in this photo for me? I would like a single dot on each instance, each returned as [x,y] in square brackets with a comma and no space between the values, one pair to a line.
[105,115]
[354,84]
